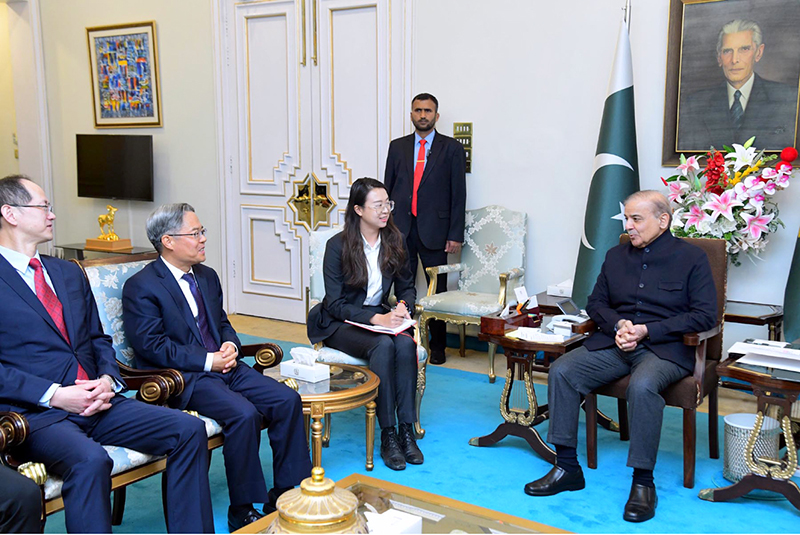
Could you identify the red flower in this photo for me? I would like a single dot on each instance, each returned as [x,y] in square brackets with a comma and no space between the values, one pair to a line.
[789,154]
[716,179]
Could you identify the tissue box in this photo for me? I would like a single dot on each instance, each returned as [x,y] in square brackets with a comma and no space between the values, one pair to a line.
[562,289]
[312,374]
[563,328]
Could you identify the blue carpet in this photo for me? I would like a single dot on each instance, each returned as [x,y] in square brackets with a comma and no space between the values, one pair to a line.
[460,405]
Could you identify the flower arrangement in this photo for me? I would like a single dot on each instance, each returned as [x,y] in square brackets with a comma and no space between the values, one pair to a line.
[731,197]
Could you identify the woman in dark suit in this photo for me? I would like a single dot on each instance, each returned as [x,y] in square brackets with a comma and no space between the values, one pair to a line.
[361,264]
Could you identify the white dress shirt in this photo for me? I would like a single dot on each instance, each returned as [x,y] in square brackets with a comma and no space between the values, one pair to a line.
[746,89]
[374,275]
[187,293]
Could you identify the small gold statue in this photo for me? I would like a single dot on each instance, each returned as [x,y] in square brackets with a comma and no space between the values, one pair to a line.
[107,219]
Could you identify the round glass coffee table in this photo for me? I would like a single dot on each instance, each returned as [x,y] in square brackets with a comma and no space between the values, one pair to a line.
[348,387]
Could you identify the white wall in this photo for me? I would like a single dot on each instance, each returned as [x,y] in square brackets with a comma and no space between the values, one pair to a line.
[532,77]
[8,122]
[185,149]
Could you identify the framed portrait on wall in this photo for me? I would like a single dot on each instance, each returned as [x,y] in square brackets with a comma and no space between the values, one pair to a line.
[733,72]
[123,61]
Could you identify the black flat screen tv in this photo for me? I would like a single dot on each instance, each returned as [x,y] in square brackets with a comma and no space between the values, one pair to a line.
[115,167]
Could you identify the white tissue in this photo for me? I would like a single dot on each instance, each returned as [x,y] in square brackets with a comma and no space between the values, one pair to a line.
[304,355]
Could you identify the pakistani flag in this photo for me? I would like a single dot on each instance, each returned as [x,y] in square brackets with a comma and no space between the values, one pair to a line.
[615,175]
[791,299]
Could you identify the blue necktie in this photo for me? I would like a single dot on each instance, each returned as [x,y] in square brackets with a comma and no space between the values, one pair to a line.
[202,318]
[737,112]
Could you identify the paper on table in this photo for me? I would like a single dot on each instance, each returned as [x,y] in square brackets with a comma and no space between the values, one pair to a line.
[534,334]
[782,363]
[407,324]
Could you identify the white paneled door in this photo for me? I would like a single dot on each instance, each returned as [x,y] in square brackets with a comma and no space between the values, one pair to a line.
[308,107]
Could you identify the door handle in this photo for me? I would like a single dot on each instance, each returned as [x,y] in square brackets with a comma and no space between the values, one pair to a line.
[314,14]
[303,11]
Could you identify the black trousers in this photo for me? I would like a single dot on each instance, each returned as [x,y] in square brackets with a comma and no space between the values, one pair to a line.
[430,258]
[20,503]
[394,361]
[240,400]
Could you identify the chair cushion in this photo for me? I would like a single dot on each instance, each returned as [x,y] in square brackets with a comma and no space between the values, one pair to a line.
[461,303]
[682,394]
[328,355]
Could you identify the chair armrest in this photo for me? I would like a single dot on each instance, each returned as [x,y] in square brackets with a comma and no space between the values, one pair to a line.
[153,386]
[694,339]
[438,270]
[14,430]
[510,275]
[267,355]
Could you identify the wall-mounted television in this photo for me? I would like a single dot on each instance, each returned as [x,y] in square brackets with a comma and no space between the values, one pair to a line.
[115,166]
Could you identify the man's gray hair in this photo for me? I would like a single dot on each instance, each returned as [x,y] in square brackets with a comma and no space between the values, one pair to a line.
[658,201]
[166,219]
[13,191]
[740,25]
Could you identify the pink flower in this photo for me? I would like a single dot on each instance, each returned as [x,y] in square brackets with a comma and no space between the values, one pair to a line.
[756,224]
[689,165]
[695,216]
[769,173]
[753,182]
[770,188]
[676,190]
[782,181]
[722,205]
[757,201]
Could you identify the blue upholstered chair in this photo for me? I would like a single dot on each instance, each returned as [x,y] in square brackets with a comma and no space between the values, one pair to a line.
[493,256]
[316,292]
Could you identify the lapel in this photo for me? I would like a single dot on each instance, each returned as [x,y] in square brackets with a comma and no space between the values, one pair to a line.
[213,317]
[410,158]
[433,156]
[13,279]
[171,285]
[60,285]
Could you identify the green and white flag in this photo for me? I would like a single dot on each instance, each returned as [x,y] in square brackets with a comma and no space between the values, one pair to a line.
[791,298]
[615,174]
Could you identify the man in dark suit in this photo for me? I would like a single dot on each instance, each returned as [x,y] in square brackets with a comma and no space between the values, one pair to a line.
[649,293]
[173,315]
[743,106]
[58,369]
[20,503]
[425,177]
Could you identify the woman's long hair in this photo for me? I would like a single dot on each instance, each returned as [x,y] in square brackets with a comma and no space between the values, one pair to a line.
[392,257]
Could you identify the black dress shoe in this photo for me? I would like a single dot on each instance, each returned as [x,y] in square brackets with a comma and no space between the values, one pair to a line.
[239,519]
[641,504]
[555,481]
[408,442]
[391,453]
[437,357]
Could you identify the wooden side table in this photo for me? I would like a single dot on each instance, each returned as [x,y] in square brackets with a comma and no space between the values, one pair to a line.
[520,421]
[765,474]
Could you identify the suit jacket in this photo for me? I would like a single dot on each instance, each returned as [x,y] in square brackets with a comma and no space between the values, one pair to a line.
[442,193]
[34,354]
[343,302]
[770,115]
[161,328]
[667,286]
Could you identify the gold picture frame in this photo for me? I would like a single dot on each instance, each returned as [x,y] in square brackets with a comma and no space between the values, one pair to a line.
[694,71]
[123,62]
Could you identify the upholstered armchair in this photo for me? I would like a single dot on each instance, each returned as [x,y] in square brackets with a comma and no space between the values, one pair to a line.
[492,264]
[316,292]
[687,393]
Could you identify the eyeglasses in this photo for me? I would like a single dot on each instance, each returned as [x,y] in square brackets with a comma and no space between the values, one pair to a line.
[388,206]
[196,234]
[47,207]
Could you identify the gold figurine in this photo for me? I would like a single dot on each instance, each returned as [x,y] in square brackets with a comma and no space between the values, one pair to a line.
[107,220]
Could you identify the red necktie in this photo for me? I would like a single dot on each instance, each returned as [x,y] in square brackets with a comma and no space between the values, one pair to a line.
[418,170]
[53,306]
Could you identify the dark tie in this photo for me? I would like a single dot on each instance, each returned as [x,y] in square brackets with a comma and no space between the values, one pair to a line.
[419,168]
[52,305]
[737,112]
[202,318]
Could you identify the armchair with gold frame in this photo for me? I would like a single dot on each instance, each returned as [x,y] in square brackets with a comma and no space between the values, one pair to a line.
[493,256]
[687,393]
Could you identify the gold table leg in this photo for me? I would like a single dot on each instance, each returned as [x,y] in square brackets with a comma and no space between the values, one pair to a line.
[317,412]
[370,435]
